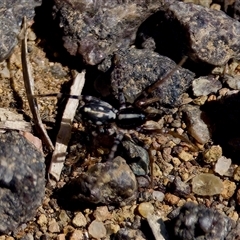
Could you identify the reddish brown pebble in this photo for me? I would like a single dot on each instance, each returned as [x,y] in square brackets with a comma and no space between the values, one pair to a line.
[171,199]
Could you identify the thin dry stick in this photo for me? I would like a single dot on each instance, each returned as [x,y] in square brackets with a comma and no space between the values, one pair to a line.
[64,133]
[29,86]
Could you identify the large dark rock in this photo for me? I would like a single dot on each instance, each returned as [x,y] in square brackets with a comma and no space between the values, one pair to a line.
[22,180]
[11,14]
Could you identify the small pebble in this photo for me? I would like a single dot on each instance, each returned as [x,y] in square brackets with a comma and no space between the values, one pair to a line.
[76,235]
[97,229]
[42,220]
[101,214]
[228,189]
[238,196]
[205,85]
[158,196]
[112,228]
[53,226]
[171,199]
[185,156]
[64,218]
[79,220]
[206,184]
[145,209]
[222,165]
[61,236]
[196,125]
[236,175]
[212,154]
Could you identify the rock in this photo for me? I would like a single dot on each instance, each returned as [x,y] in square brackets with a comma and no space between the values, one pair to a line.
[180,188]
[196,123]
[139,158]
[228,189]
[11,15]
[212,154]
[111,182]
[203,86]
[79,220]
[76,235]
[97,229]
[22,178]
[206,184]
[158,196]
[236,174]
[234,233]
[198,222]
[96,29]
[102,213]
[185,156]
[222,165]
[145,209]
[211,35]
[232,81]
[42,220]
[137,69]
[171,199]
[129,234]
[64,218]
[53,226]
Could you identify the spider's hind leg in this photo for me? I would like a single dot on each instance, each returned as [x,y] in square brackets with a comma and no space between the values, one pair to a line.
[117,141]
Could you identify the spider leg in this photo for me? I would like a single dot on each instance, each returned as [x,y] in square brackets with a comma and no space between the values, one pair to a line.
[143,96]
[114,148]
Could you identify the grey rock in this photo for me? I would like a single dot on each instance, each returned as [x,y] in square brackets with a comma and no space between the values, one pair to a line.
[205,85]
[211,35]
[180,188]
[112,182]
[129,234]
[198,222]
[139,68]
[22,180]
[196,123]
[139,158]
[232,81]
[95,29]
[11,14]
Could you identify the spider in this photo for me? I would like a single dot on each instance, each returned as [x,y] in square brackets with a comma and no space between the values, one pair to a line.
[104,117]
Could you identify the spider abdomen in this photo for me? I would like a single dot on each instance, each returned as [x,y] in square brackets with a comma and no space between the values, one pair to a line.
[128,118]
[97,114]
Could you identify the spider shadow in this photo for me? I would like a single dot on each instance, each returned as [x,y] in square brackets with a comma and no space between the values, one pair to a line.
[224,116]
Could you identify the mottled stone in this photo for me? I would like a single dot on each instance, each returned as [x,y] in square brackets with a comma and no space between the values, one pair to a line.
[198,222]
[180,188]
[139,158]
[128,234]
[11,14]
[203,86]
[111,182]
[22,178]
[236,174]
[96,29]
[229,188]
[171,199]
[137,69]
[212,154]
[211,35]
[233,82]
[102,213]
[196,121]
[206,184]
